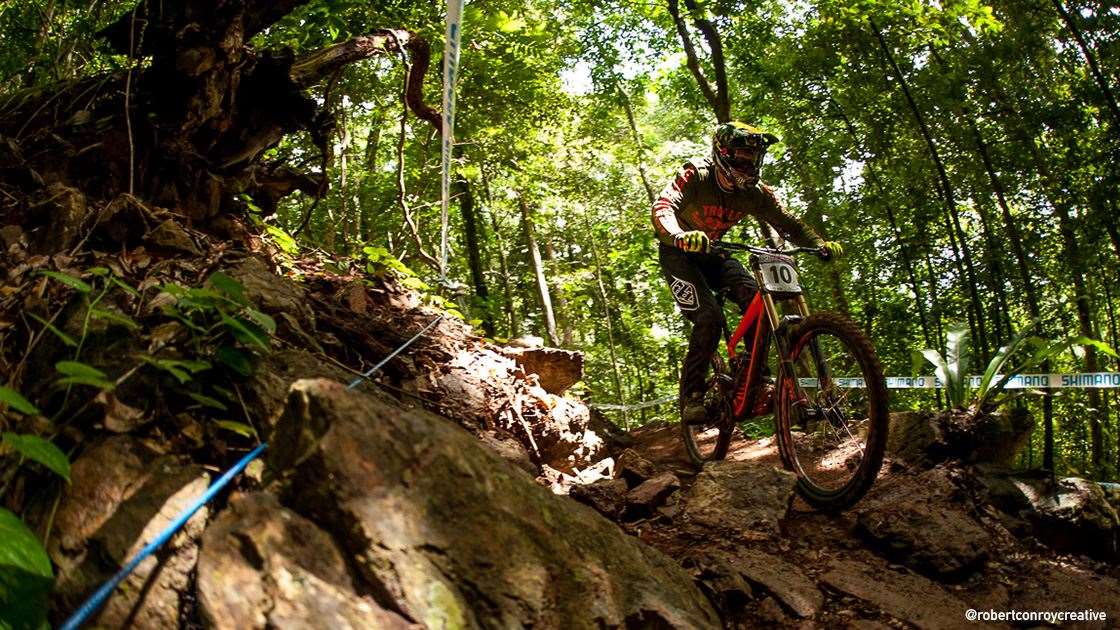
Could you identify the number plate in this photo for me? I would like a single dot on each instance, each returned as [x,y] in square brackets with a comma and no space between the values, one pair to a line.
[779,275]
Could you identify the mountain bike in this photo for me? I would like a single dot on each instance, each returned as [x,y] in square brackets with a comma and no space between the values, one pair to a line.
[830,401]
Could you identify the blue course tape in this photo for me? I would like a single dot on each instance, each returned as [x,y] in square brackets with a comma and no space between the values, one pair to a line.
[380,364]
[96,600]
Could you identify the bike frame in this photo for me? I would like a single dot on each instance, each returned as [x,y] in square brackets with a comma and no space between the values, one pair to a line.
[764,312]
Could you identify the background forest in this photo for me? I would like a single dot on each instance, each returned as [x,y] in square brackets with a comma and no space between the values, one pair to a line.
[965,154]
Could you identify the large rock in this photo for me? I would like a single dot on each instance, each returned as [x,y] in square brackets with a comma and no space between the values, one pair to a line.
[911,598]
[455,536]
[921,521]
[926,439]
[1074,515]
[745,498]
[263,566]
[122,496]
[1047,584]
[1070,515]
[557,369]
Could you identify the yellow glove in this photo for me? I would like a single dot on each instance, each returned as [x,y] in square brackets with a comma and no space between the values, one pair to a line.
[692,241]
[831,249]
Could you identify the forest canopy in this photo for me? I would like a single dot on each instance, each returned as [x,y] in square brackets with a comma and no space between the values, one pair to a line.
[966,155]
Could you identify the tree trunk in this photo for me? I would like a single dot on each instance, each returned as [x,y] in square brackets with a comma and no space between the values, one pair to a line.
[538,271]
[1090,58]
[402,199]
[462,190]
[563,317]
[946,189]
[608,320]
[212,107]
[1085,322]
[716,96]
[638,145]
[903,249]
[512,320]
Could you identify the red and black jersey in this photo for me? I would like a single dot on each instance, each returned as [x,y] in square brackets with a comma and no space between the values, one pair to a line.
[694,200]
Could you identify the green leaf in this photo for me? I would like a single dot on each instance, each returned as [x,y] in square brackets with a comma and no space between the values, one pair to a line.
[68,280]
[63,337]
[116,318]
[1099,345]
[26,577]
[246,332]
[99,383]
[207,401]
[99,271]
[227,285]
[284,241]
[17,402]
[239,428]
[77,368]
[181,369]
[234,359]
[39,450]
[260,319]
[1001,358]
[124,286]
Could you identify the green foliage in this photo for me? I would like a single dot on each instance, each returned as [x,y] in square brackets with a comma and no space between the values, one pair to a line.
[61,336]
[1008,362]
[41,451]
[952,367]
[13,399]
[224,325]
[566,108]
[78,373]
[68,280]
[26,576]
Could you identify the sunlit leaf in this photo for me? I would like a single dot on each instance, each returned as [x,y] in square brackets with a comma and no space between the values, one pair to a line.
[41,451]
[237,427]
[68,280]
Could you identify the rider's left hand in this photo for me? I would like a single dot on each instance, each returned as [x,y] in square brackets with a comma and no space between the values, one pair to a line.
[831,249]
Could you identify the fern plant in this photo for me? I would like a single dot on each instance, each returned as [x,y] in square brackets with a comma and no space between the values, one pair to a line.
[1024,352]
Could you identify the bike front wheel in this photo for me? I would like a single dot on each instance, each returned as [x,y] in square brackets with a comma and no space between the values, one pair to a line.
[832,410]
[710,441]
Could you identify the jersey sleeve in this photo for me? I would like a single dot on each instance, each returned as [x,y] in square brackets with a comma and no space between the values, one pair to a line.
[670,202]
[788,226]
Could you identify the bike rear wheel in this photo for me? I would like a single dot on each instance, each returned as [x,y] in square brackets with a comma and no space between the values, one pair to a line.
[711,440]
[832,427]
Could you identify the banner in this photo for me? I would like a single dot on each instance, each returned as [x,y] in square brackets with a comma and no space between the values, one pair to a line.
[1082,380]
[450,68]
[1078,380]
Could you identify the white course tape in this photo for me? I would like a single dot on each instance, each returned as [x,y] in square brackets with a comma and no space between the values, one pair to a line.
[1077,380]
[1082,380]
[450,68]
[641,405]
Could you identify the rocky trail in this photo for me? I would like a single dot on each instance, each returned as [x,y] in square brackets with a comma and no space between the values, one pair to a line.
[435,496]
[922,548]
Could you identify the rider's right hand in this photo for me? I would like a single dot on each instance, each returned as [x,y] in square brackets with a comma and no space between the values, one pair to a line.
[692,241]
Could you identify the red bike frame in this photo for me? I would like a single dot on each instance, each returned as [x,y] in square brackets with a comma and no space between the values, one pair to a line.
[744,395]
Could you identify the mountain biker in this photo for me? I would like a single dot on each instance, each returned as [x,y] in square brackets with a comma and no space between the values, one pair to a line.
[703,201]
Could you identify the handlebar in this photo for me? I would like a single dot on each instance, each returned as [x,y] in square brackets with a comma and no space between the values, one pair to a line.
[739,247]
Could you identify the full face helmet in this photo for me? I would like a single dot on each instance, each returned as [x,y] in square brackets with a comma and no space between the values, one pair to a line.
[738,150]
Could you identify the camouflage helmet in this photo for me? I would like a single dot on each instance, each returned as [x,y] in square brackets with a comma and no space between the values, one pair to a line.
[738,150]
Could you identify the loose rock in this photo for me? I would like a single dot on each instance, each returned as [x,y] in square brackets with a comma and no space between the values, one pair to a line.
[746,498]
